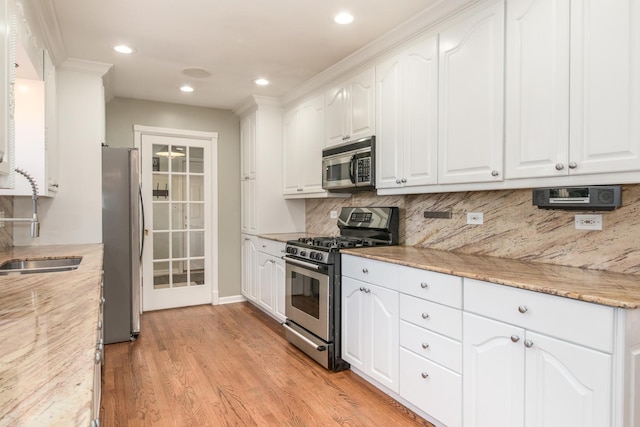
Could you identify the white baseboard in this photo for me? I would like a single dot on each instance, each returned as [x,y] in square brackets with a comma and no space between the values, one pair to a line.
[229,300]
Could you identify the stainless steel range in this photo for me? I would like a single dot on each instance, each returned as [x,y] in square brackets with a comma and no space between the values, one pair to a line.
[313,273]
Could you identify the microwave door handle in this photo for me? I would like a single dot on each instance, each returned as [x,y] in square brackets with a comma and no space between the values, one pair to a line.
[352,169]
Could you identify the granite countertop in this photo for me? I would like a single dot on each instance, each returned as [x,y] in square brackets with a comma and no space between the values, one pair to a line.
[601,287]
[48,338]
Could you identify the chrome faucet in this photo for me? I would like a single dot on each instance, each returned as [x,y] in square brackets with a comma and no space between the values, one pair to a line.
[35,224]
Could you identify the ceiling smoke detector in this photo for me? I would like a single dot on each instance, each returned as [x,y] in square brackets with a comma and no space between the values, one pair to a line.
[199,73]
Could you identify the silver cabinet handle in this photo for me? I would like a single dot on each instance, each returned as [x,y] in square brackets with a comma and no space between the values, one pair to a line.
[365,271]
[573,165]
[522,309]
[425,345]
[99,324]
[528,343]
[559,166]
[424,375]
[424,285]
[98,358]
[495,173]
[298,189]
[515,338]
[425,315]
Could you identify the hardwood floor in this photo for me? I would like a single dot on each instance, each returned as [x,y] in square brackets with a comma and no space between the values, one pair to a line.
[230,365]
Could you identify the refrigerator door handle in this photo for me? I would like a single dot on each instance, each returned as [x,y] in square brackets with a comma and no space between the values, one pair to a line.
[143,227]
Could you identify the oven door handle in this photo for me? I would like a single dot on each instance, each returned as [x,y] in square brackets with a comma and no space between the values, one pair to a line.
[303,338]
[304,264]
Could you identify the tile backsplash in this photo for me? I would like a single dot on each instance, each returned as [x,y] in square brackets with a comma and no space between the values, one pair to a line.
[513,227]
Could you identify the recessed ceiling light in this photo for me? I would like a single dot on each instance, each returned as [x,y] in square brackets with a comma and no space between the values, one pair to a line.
[261,82]
[123,49]
[199,73]
[343,18]
[186,88]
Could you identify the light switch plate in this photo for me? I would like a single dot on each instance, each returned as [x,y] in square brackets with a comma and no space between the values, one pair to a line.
[588,222]
[476,218]
[333,214]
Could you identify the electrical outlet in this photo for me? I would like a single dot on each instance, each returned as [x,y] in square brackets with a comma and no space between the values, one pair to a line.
[588,222]
[333,214]
[476,218]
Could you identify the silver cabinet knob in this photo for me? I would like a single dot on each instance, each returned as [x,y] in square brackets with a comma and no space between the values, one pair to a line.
[398,182]
[298,189]
[424,375]
[365,271]
[522,309]
[559,166]
[98,357]
[528,343]
[403,180]
[425,345]
[367,290]
[424,285]
[495,173]
[573,165]
[425,315]
[361,288]
[515,338]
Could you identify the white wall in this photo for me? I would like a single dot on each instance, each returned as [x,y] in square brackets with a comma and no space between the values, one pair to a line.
[74,215]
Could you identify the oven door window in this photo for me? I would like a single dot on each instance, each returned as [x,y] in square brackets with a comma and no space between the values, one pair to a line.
[307,299]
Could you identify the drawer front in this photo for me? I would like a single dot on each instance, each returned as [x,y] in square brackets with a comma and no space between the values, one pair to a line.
[371,271]
[437,287]
[435,317]
[271,247]
[432,388]
[432,346]
[575,321]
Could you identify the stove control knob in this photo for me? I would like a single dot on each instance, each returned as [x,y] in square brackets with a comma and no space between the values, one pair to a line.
[303,253]
[315,255]
[292,251]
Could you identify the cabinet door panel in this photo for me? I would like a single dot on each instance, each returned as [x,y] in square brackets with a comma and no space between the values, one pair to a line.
[537,84]
[312,134]
[248,145]
[353,327]
[291,142]
[335,126]
[566,385]
[421,113]
[605,86]
[383,324]
[279,285]
[471,98]
[492,373]
[361,104]
[389,131]
[265,281]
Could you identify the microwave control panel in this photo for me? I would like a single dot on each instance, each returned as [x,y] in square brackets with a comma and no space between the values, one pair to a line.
[364,169]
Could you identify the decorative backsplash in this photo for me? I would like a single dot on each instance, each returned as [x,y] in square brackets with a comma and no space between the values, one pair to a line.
[513,227]
[6,232]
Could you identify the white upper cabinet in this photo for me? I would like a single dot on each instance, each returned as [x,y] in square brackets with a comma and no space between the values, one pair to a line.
[605,86]
[248,146]
[303,144]
[471,102]
[573,85]
[350,109]
[407,117]
[7,75]
[537,88]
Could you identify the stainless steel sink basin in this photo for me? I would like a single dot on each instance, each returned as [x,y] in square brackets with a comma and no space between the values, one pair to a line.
[40,265]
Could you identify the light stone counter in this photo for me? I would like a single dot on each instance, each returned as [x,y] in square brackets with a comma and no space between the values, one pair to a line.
[601,287]
[48,339]
[285,237]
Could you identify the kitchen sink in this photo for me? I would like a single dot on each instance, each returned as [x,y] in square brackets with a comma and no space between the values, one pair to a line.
[40,265]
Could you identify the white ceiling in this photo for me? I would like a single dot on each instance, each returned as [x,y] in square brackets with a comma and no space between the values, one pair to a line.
[285,41]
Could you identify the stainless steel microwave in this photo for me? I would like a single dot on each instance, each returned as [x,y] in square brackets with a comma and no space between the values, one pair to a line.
[350,166]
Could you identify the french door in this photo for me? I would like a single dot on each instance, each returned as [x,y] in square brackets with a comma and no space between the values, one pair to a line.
[177,190]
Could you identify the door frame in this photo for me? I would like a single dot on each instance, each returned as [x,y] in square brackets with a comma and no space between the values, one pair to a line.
[212,138]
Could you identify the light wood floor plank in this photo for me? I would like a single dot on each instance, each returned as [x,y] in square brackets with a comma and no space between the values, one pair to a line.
[231,365]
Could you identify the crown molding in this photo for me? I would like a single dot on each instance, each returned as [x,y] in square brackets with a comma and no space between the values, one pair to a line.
[255,101]
[421,23]
[48,22]
[89,67]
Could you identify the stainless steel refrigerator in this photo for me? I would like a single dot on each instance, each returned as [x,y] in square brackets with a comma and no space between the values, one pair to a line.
[121,204]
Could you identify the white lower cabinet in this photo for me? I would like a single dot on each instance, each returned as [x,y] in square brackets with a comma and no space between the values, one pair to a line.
[270,278]
[514,376]
[249,266]
[370,330]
